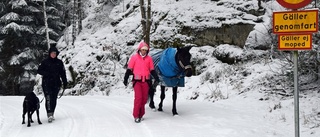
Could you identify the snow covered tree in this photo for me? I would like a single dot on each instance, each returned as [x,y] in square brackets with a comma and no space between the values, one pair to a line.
[54,10]
[23,43]
[74,16]
[18,45]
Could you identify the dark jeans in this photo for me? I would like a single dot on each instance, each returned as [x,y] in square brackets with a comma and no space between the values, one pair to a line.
[51,95]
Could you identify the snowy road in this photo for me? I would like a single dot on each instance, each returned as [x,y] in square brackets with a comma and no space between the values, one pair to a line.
[101,116]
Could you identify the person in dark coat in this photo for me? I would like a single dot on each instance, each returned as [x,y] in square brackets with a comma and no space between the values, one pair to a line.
[52,71]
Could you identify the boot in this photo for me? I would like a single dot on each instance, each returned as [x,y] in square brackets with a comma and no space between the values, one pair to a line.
[50,117]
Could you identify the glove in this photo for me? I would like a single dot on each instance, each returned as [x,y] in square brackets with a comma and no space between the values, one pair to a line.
[126,76]
[65,85]
[125,82]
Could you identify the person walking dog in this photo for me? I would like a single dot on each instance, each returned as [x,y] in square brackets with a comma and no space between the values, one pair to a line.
[52,71]
[141,66]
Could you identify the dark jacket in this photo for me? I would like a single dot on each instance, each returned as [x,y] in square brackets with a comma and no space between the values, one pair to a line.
[52,69]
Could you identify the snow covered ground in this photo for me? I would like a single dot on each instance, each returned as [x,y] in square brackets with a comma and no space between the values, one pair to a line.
[103,116]
[220,101]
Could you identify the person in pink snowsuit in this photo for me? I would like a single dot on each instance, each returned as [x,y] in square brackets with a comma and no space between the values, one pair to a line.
[141,66]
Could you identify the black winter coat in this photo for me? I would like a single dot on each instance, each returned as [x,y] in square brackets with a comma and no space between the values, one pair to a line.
[52,69]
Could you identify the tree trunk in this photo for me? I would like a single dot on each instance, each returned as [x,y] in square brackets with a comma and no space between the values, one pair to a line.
[46,23]
[148,23]
[79,17]
[259,4]
[143,19]
[74,22]
[146,20]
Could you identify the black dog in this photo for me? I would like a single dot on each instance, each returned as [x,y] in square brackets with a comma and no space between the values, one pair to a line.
[31,103]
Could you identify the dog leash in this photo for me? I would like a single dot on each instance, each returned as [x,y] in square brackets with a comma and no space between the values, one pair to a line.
[61,94]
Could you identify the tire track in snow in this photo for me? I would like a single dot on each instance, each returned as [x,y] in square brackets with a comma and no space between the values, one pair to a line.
[96,116]
[66,113]
[74,114]
[123,116]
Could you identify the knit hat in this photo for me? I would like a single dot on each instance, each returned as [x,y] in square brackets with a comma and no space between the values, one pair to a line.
[145,48]
[53,49]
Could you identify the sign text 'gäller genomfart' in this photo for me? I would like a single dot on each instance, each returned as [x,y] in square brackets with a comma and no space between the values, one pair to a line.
[295,21]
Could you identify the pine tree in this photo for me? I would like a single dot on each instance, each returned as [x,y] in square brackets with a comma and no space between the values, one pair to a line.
[23,43]
[17,37]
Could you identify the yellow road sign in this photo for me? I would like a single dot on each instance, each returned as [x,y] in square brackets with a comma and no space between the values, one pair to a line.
[295,42]
[295,21]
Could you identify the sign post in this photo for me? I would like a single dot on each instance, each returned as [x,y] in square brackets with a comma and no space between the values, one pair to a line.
[296,94]
[294,30]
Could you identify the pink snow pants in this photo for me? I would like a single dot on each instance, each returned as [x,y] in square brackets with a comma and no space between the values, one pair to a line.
[140,98]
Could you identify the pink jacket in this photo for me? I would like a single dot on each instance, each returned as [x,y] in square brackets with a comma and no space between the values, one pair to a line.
[141,66]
